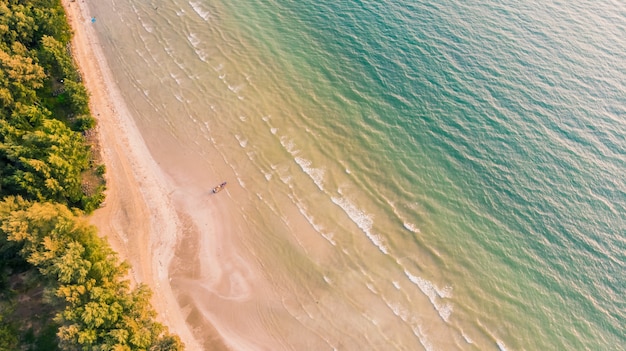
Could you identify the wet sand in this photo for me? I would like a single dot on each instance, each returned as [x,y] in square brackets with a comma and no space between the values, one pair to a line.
[138,217]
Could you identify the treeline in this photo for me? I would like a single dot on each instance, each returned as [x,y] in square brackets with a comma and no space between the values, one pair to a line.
[61,286]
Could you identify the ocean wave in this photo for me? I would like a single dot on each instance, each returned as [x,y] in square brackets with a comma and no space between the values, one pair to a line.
[363,220]
[316,174]
[203,13]
[434,294]
[243,142]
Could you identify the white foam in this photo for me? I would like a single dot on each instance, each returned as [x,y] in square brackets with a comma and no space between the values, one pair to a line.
[235,88]
[372,320]
[422,338]
[168,50]
[273,130]
[193,39]
[396,284]
[286,179]
[202,55]
[434,294]
[371,288]
[363,220]
[317,174]
[410,319]
[180,65]
[243,142]
[446,292]
[412,227]
[175,78]
[289,145]
[195,43]
[330,237]
[467,338]
[197,7]
[501,345]
[146,26]
[147,59]
[399,311]
[444,310]
[268,176]
[328,280]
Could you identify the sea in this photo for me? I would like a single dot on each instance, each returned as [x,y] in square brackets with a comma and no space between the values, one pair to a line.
[402,174]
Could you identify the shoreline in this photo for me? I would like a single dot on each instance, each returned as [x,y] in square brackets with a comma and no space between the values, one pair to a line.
[137,217]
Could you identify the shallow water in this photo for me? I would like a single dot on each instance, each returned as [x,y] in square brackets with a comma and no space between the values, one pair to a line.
[402,175]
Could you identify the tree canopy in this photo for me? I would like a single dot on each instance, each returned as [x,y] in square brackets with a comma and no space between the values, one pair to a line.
[46,173]
[100,311]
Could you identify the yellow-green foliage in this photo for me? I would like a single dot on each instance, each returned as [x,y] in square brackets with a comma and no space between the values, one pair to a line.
[100,311]
[44,164]
[43,155]
[43,159]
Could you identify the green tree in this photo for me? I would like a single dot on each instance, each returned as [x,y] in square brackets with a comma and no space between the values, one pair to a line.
[101,312]
[22,23]
[43,161]
[54,54]
[44,164]
[78,97]
[50,18]
[8,333]
[21,76]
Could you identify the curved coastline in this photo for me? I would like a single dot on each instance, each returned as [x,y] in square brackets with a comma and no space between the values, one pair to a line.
[469,165]
[137,217]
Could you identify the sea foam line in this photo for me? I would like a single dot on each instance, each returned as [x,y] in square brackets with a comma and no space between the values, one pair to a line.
[243,142]
[408,225]
[434,294]
[362,220]
[316,174]
[197,7]
[195,43]
[501,345]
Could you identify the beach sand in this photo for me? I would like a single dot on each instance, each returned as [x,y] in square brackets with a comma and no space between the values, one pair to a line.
[138,217]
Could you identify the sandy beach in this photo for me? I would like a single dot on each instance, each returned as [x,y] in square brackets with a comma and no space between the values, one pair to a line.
[401,176]
[137,218]
[218,281]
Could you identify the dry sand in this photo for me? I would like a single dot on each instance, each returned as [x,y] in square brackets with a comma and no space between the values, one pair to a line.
[138,216]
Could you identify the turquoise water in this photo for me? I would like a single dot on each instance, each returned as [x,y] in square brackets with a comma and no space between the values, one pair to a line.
[466,158]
